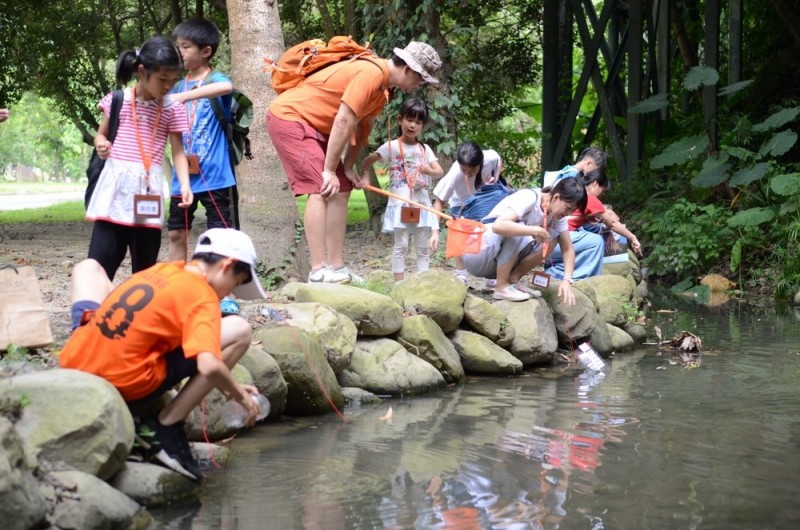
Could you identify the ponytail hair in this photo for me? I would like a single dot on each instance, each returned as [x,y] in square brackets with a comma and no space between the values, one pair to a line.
[156,53]
[570,189]
[471,154]
[596,175]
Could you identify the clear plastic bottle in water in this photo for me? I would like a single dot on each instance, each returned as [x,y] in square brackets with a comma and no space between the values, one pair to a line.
[589,357]
[234,415]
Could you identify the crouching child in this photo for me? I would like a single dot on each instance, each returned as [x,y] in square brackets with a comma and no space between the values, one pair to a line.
[162,325]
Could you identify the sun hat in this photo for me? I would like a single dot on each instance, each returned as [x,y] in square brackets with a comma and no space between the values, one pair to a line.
[421,58]
[234,244]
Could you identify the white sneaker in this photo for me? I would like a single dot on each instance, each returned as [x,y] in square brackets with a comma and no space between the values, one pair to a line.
[510,293]
[461,275]
[490,283]
[340,275]
[328,275]
[525,289]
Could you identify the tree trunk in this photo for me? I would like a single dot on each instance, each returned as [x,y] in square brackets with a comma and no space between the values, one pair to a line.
[268,210]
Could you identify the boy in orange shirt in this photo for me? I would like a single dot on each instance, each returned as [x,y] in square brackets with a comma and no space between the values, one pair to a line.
[163,325]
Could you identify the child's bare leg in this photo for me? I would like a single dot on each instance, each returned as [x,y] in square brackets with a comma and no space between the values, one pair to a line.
[524,266]
[177,245]
[90,282]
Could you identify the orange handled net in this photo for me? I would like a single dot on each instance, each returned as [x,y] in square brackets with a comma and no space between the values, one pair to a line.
[464,236]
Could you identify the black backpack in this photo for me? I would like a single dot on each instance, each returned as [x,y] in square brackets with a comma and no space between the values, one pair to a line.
[96,164]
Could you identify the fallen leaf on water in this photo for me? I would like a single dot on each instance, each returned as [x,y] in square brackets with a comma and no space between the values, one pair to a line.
[388,416]
[673,362]
[665,311]
[661,367]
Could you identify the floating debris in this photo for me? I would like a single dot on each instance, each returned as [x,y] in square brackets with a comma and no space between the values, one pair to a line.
[685,348]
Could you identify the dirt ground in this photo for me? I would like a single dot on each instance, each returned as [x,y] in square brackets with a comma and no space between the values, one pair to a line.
[52,250]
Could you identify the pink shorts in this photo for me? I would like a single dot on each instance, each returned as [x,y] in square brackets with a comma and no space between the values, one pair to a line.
[302,153]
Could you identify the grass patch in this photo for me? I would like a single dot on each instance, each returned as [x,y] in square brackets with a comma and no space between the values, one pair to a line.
[60,213]
[14,188]
[357,211]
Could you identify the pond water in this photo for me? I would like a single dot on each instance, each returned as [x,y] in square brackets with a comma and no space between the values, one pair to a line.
[645,445]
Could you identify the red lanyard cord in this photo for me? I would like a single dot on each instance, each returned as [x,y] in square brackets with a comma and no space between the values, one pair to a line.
[147,159]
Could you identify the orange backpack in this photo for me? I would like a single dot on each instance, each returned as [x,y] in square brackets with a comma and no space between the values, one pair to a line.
[302,60]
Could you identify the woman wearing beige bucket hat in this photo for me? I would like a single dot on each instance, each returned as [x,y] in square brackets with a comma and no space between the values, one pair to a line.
[328,115]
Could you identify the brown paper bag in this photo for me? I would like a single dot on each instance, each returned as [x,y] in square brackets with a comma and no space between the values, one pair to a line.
[23,319]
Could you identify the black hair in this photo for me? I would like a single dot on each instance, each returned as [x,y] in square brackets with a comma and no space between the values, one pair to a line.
[598,155]
[595,175]
[415,109]
[156,53]
[570,189]
[240,267]
[397,61]
[198,31]
[471,154]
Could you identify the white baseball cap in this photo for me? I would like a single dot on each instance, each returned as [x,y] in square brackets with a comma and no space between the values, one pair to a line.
[234,244]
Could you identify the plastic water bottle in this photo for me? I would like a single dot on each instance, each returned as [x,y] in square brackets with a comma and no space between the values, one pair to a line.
[234,415]
[589,357]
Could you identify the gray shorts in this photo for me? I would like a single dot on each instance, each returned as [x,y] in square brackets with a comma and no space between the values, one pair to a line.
[498,250]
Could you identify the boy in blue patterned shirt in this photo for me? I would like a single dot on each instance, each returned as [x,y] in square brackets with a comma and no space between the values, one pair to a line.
[206,146]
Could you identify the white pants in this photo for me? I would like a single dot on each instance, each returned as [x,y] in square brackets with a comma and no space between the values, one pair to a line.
[422,237]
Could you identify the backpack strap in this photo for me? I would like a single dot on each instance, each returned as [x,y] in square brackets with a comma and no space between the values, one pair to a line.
[117,97]
[227,128]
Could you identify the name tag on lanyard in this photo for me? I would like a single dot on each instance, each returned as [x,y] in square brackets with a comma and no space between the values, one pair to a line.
[147,206]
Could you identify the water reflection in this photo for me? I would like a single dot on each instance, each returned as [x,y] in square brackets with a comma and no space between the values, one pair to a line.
[635,447]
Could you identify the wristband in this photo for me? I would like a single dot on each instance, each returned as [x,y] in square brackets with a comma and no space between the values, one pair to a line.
[570,280]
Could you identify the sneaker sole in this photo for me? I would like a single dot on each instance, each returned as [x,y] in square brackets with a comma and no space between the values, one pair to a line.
[174,465]
[510,299]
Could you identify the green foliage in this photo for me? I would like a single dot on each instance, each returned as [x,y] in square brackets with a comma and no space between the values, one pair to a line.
[688,239]
[653,103]
[680,152]
[700,76]
[37,136]
[15,353]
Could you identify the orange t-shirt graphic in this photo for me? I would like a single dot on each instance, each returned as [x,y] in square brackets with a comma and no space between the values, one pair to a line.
[152,313]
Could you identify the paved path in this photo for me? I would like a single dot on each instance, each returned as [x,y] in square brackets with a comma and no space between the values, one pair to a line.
[24,201]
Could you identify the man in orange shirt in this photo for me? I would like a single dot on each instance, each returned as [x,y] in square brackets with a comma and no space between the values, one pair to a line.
[162,325]
[328,115]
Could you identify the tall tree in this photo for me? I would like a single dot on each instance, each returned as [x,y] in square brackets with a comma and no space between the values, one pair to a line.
[268,209]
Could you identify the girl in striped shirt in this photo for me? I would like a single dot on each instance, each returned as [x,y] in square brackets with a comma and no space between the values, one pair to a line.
[126,206]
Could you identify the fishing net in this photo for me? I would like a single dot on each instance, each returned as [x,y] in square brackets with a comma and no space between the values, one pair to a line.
[464,236]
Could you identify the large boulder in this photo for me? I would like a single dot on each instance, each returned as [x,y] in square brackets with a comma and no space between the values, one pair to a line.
[333,330]
[374,314]
[615,295]
[637,332]
[437,294]
[422,337]
[620,340]
[267,376]
[625,265]
[151,485]
[600,337]
[535,340]
[488,320]
[573,322]
[22,505]
[74,417]
[479,355]
[383,366]
[312,385]
[94,505]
